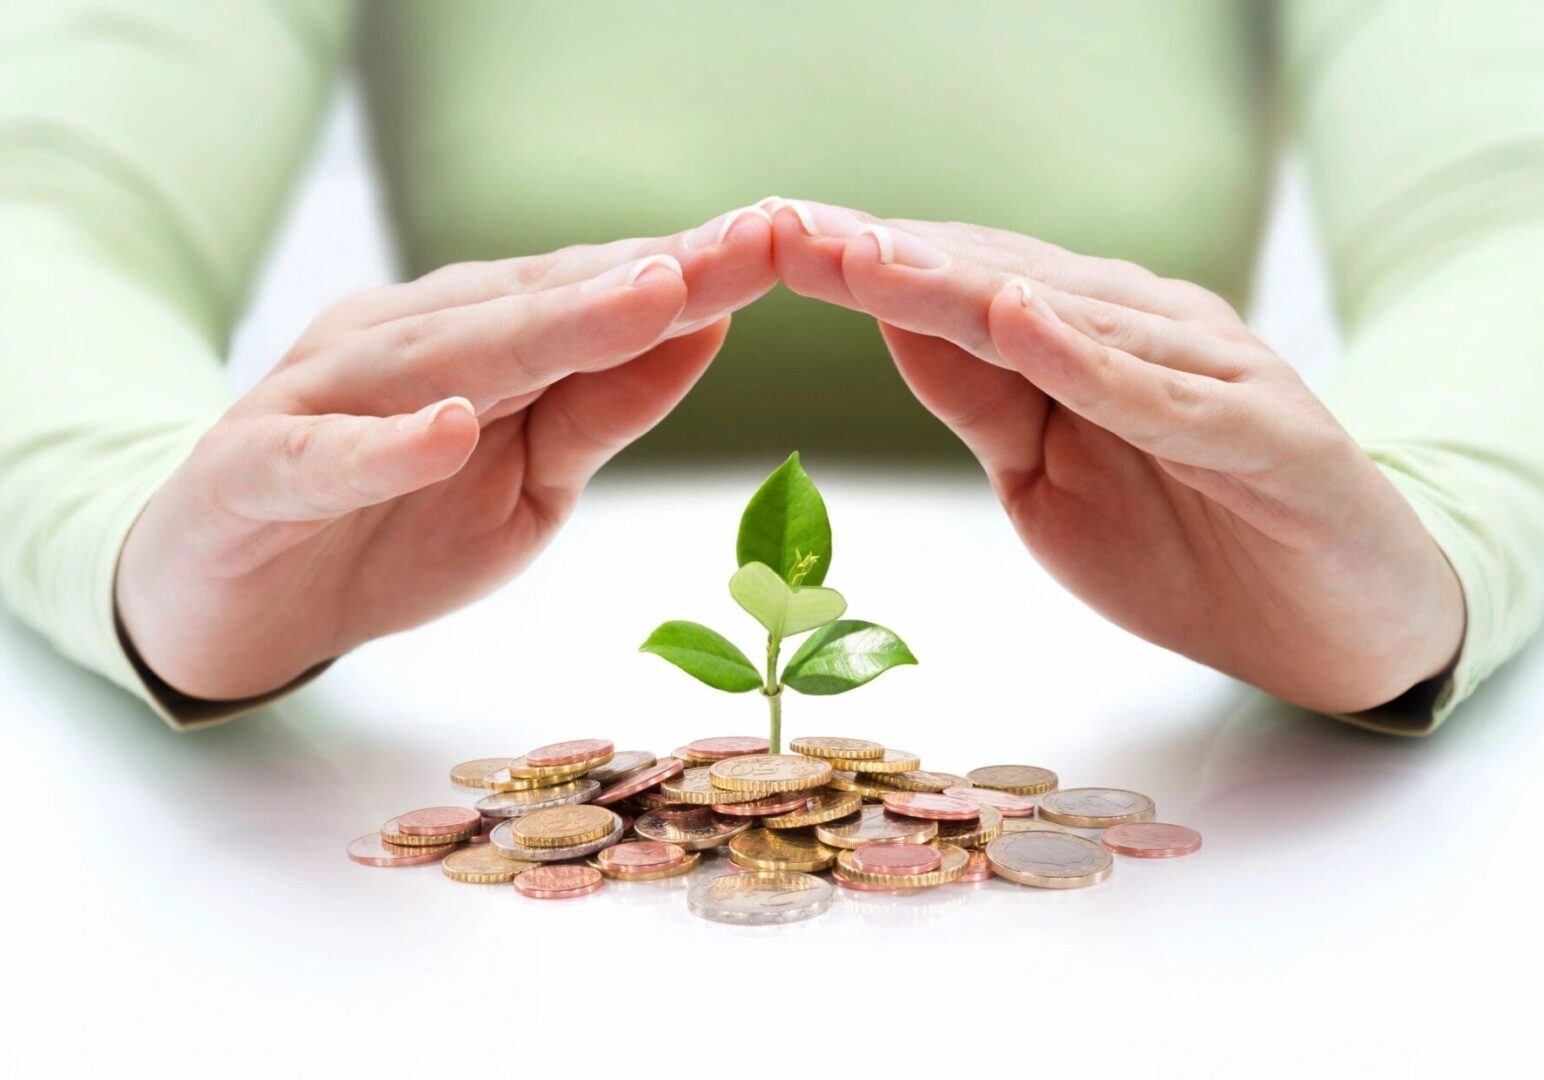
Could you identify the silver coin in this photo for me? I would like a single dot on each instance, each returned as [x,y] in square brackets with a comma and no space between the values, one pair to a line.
[513,804]
[1095,807]
[760,897]
[623,763]
[503,840]
[694,828]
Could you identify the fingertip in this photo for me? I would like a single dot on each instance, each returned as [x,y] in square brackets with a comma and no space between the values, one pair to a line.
[446,431]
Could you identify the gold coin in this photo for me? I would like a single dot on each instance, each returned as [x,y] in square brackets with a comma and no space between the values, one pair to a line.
[848,749]
[955,860]
[766,774]
[691,761]
[764,849]
[1019,779]
[481,864]
[864,786]
[686,866]
[1049,860]
[1029,824]
[893,761]
[1096,807]
[392,834]
[503,781]
[474,774]
[828,806]
[623,763]
[694,786]
[987,826]
[562,826]
[522,771]
[921,780]
[875,825]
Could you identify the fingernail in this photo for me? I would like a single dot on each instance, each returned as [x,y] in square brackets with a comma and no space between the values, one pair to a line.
[628,274]
[818,219]
[425,417]
[1025,292]
[903,249]
[1033,301]
[715,232]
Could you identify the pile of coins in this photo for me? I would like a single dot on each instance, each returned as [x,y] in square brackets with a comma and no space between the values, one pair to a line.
[563,819]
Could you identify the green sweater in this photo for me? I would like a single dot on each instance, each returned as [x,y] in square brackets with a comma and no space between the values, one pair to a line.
[147,146]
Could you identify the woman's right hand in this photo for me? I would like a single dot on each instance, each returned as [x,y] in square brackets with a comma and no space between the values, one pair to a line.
[418,446]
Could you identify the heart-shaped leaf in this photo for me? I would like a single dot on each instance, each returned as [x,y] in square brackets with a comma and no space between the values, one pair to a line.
[785,526]
[705,654]
[844,655]
[782,610]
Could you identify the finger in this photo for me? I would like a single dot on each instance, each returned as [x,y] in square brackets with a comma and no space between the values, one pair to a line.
[996,413]
[580,423]
[1175,415]
[726,263]
[316,468]
[499,349]
[1183,345]
[808,241]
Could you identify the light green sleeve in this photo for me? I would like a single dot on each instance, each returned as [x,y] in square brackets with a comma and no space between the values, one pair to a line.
[1423,122]
[145,149]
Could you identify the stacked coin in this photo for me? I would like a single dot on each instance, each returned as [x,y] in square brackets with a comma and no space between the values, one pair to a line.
[558,822]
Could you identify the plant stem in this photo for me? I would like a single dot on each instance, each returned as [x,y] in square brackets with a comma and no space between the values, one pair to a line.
[774,695]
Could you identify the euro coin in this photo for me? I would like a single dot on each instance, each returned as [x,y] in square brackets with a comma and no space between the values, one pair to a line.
[1018,779]
[1023,824]
[439,821]
[1009,804]
[695,787]
[858,886]
[623,763]
[373,851]
[563,826]
[977,833]
[1151,840]
[571,752]
[502,839]
[1049,860]
[980,868]
[765,849]
[766,774]
[823,806]
[521,768]
[482,866]
[726,746]
[513,804]
[864,786]
[952,863]
[503,780]
[392,833]
[782,803]
[921,804]
[830,747]
[694,828]
[1095,808]
[474,774]
[687,864]
[760,897]
[638,856]
[896,858]
[875,825]
[922,780]
[640,781]
[891,761]
[558,882]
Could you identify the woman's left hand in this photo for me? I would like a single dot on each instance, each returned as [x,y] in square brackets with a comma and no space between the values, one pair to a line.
[1155,455]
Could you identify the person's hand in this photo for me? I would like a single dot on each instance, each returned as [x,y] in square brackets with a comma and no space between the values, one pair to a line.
[1159,459]
[418,446]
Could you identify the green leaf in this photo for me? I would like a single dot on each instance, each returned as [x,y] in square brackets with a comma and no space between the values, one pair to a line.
[783,611]
[844,655]
[704,654]
[784,523]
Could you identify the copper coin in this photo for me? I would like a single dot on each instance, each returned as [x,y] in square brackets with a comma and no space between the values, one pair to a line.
[897,858]
[1151,840]
[391,834]
[654,800]
[978,869]
[726,746]
[922,804]
[875,825]
[695,828]
[373,851]
[1009,804]
[568,753]
[623,763]
[663,770]
[638,856]
[438,821]
[785,803]
[558,882]
[862,886]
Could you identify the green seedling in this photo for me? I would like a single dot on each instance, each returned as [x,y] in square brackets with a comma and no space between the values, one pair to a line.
[784,551]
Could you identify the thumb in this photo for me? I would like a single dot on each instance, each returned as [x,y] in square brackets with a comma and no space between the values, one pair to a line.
[310,468]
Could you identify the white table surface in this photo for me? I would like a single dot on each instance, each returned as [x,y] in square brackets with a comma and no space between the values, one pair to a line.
[182,905]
